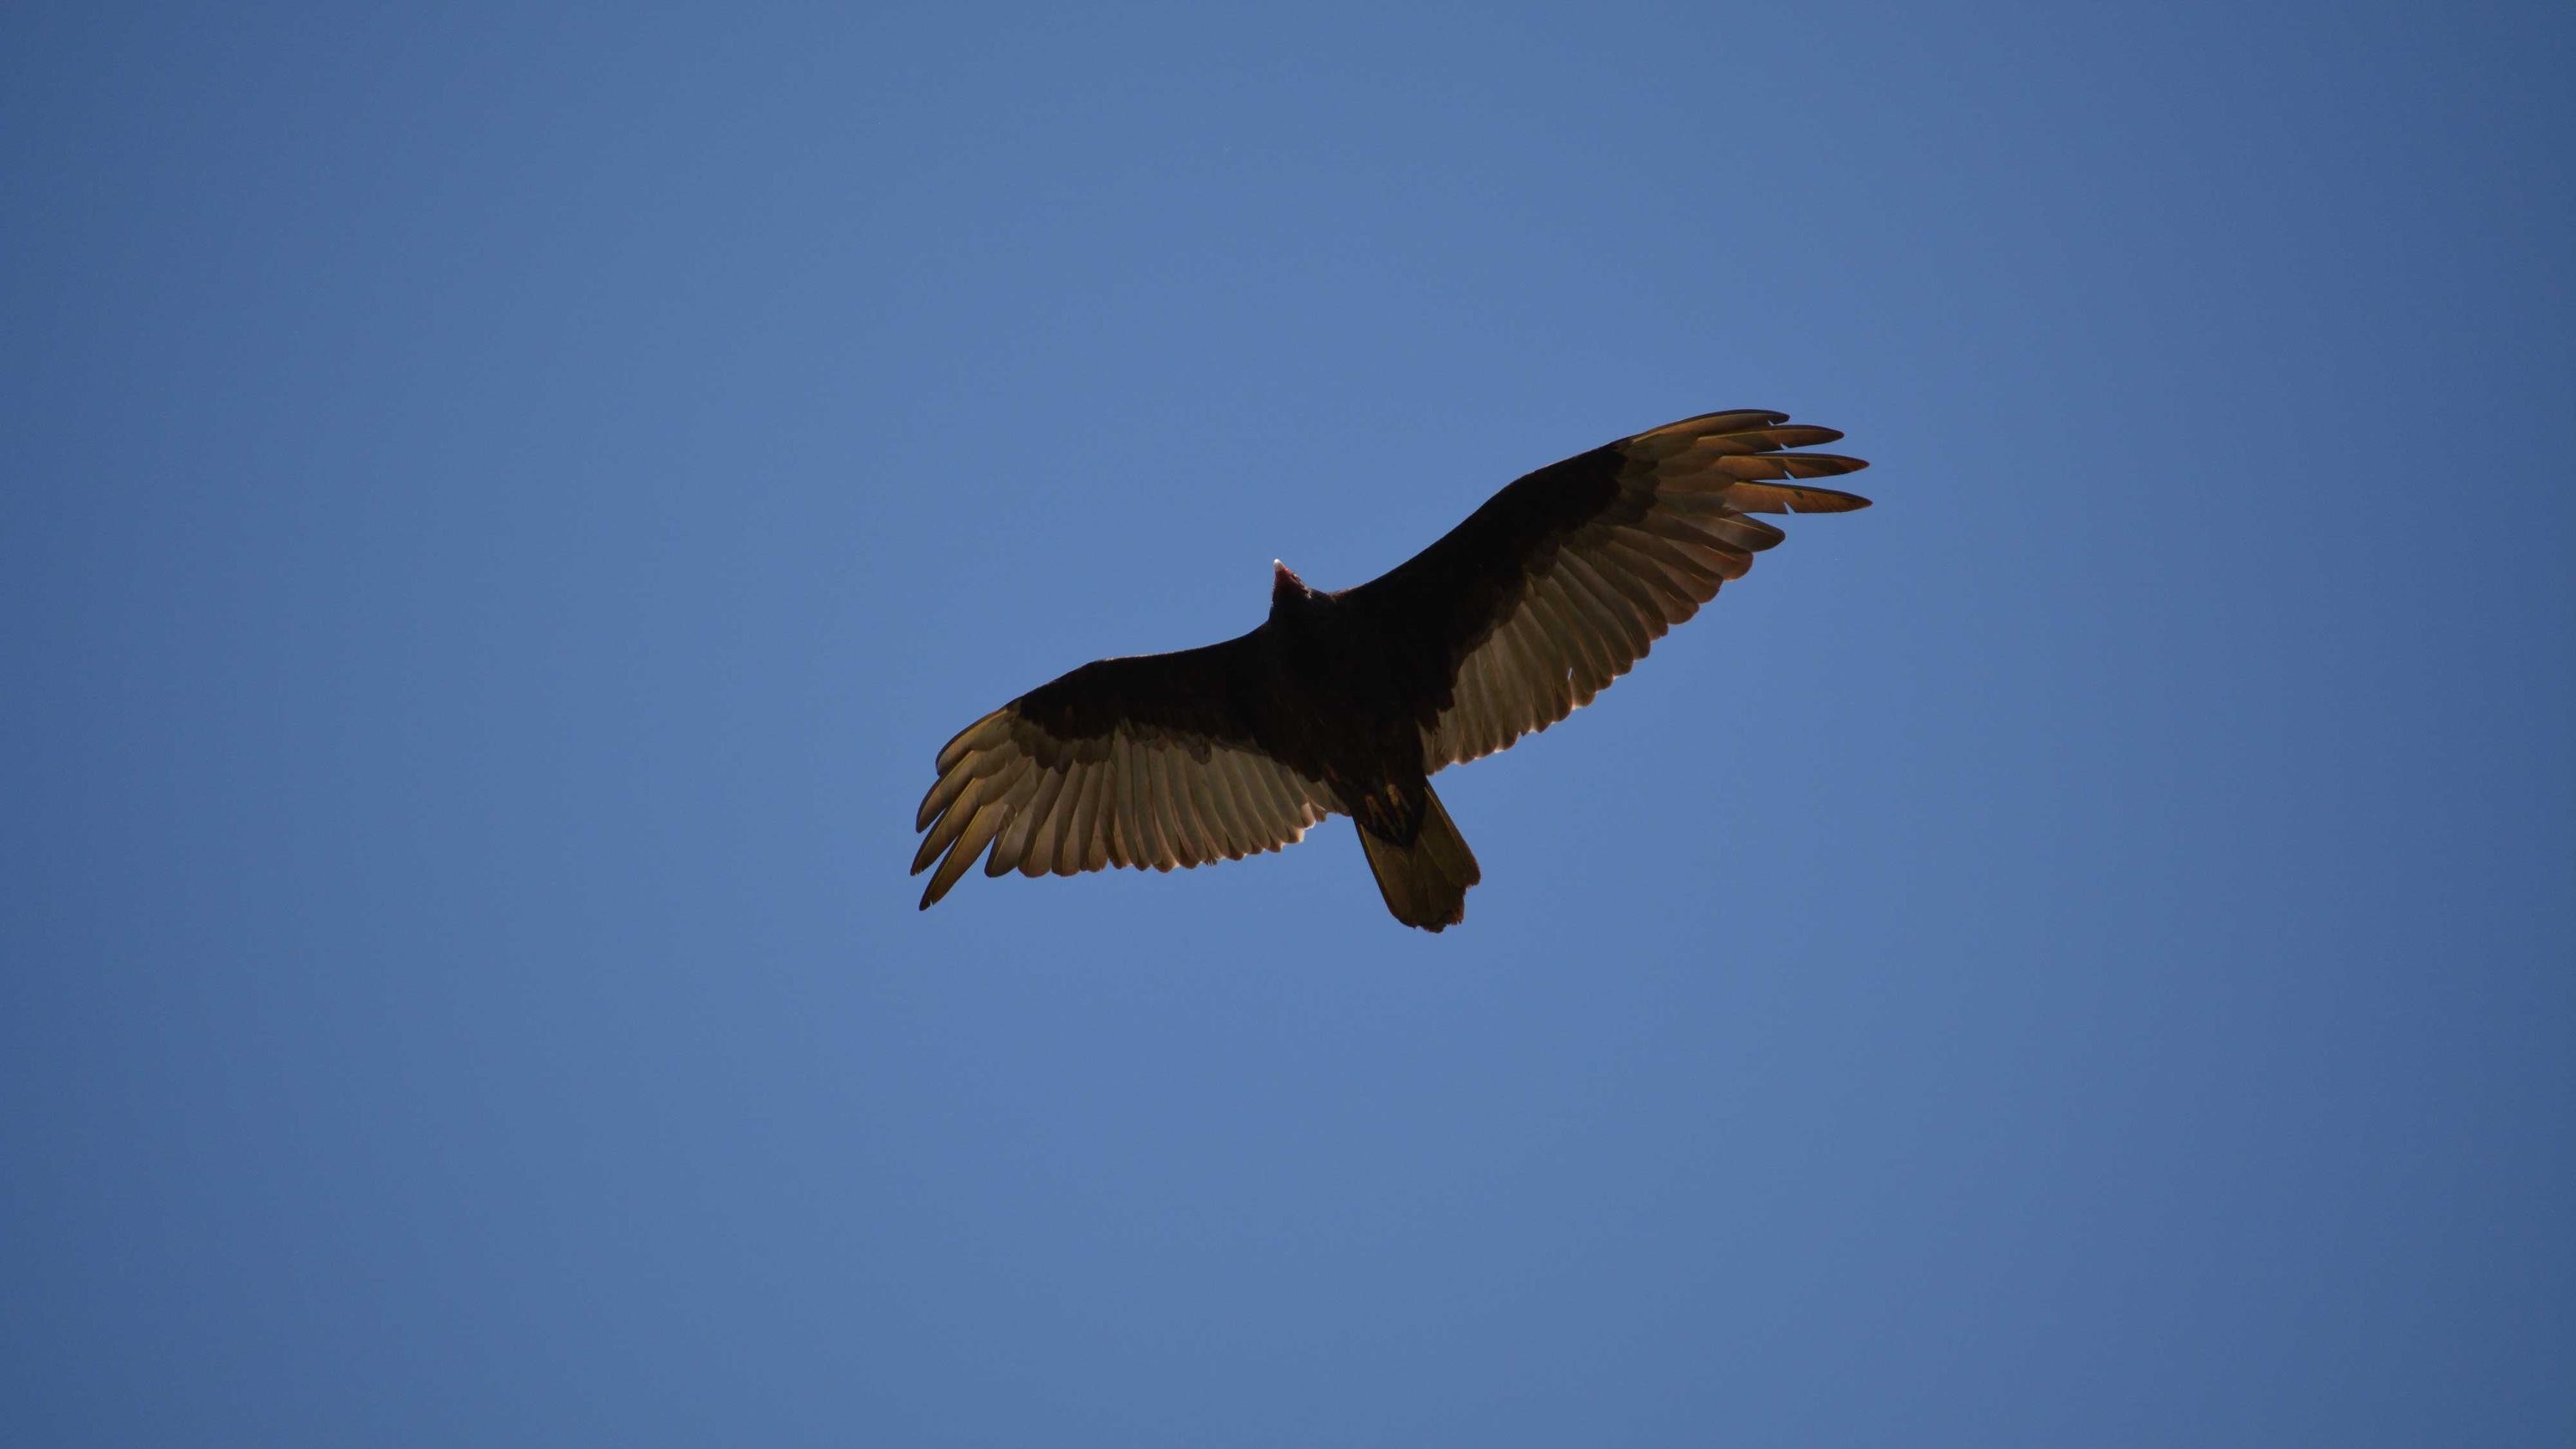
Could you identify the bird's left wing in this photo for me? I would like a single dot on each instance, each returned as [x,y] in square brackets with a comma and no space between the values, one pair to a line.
[1564,579]
[1138,762]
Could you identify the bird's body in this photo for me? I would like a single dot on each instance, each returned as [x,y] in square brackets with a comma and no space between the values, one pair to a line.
[1347,703]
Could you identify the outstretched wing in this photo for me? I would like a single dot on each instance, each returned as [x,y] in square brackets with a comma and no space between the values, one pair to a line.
[1149,761]
[1563,580]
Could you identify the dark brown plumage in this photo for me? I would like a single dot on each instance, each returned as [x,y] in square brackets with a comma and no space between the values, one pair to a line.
[1348,703]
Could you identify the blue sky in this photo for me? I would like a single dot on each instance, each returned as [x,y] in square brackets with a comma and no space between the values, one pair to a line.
[504,504]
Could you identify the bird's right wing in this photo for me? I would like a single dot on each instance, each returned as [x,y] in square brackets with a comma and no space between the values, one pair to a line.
[1564,579]
[1138,762]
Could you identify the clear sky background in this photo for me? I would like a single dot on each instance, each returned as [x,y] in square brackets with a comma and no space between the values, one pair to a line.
[501,506]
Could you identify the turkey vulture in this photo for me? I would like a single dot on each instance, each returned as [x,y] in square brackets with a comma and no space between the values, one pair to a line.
[1348,702]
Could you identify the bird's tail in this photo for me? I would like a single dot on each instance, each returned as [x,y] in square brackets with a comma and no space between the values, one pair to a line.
[1425,883]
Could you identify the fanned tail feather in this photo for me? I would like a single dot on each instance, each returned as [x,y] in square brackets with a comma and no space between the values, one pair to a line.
[1424,883]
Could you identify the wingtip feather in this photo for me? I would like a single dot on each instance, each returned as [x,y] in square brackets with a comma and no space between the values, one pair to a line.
[990,730]
[1785,498]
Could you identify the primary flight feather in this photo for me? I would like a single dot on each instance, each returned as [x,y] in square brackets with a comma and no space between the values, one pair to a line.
[1347,703]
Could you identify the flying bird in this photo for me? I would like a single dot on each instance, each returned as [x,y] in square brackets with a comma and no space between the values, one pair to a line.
[1347,703]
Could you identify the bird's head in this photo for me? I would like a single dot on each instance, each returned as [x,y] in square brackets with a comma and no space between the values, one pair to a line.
[1287,591]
